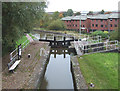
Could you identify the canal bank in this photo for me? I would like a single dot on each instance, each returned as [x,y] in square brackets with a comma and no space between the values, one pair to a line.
[79,80]
[29,71]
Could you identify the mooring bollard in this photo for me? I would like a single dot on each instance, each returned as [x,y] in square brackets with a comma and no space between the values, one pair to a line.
[29,55]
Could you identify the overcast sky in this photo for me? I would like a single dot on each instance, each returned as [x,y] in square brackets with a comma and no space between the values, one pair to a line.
[82,5]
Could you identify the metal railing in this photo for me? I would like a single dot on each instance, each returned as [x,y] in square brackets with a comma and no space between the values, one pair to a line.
[14,53]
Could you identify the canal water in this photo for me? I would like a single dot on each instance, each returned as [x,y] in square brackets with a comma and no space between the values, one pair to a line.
[58,73]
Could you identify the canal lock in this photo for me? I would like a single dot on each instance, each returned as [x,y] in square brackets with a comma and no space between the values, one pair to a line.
[65,79]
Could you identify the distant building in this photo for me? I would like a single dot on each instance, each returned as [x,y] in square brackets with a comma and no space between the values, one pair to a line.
[103,22]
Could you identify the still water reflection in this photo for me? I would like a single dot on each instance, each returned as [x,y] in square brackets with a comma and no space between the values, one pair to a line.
[58,73]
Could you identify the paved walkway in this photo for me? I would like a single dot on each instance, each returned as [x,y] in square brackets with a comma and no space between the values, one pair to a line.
[29,38]
[76,45]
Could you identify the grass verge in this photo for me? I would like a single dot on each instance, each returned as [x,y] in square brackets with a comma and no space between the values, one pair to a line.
[101,69]
[31,36]
[21,41]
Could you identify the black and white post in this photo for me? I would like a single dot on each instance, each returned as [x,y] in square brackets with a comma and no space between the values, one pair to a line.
[19,51]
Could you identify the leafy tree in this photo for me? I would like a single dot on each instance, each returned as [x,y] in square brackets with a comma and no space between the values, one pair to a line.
[57,25]
[65,14]
[60,15]
[90,13]
[55,15]
[17,18]
[46,20]
[69,12]
[102,12]
[77,13]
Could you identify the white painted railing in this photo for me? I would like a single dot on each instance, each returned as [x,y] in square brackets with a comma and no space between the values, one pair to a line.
[43,52]
[87,42]
[14,53]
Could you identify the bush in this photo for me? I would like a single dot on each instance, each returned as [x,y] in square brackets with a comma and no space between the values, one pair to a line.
[102,34]
[106,32]
[57,25]
[114,35]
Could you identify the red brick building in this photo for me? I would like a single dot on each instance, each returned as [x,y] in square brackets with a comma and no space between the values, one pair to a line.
[104,22]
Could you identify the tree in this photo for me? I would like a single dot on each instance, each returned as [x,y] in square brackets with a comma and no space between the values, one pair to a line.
[57,25]
[65,14]
[102,12]
[46,19]
[90,13]
[17,18]
[55,15]
[77,13]
[69,12]
[60,15]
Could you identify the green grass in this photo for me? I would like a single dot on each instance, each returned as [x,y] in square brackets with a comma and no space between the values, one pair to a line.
[101,69]
[31,36]
[21,41]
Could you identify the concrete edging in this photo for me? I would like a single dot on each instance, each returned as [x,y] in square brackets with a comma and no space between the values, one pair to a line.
[79,79]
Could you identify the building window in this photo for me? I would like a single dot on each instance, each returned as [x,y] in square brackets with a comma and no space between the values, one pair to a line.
[115,25]
[96,25]
[83,25]
[101,20]
[115,19]
[111,25]
[93,25]
[101,25]
[110,19]
[105,25]
[76,25]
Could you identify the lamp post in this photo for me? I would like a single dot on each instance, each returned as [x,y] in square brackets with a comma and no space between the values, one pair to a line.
[80,25]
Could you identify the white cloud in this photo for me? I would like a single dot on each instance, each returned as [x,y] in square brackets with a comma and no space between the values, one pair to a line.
[82,5]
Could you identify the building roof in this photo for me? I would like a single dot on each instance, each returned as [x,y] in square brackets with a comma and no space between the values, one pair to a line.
[98,16]
[82,17]
[114,15]
[67,18]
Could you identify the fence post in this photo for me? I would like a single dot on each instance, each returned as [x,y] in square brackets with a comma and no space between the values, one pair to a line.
[19,51]
[54,41]
[64,40]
